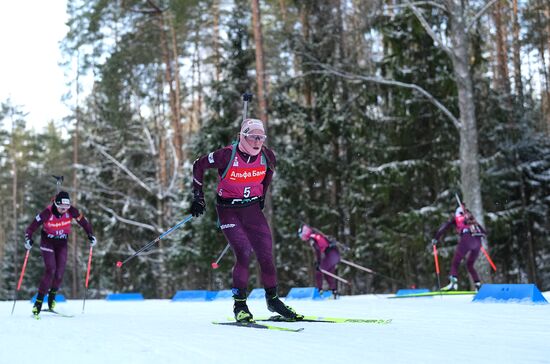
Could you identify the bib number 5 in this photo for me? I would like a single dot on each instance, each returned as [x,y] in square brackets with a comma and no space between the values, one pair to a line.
[246,192]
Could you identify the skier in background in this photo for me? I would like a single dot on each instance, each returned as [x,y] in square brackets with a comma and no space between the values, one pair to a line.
[471,233]
[245,170]
[56,226]
[327,256]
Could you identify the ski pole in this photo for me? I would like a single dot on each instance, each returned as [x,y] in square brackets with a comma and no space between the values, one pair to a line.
[489,258]
[334,276]
[358,266]
[437,268]
[58,182]
[20,280]
[119,264]
[87,277]
[247,96]
[215,264]
[355,265]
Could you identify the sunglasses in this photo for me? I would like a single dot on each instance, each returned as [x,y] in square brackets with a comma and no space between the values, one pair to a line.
[62,206]
[254,137]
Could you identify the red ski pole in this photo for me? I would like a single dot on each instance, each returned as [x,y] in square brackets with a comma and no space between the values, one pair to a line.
[489,259]
[87,277]
[20,280]
[437,268]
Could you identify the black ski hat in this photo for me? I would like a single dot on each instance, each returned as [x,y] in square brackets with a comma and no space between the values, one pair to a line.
[62,198]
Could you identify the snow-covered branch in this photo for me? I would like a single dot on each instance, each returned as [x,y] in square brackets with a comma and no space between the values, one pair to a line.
[127,221]
[152,148]
[383,81]
[480,13]
[121,166]
[428,29]
[419,3]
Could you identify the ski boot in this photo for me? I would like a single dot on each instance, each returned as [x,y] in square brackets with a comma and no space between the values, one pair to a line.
[274,304]
[240,309]
[335,294]
[477,285]
[51,299]
[37,305]
[453,284]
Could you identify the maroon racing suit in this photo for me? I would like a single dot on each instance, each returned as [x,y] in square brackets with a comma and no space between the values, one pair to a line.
[243,182]
[327,255]
[53,243]
[469,242]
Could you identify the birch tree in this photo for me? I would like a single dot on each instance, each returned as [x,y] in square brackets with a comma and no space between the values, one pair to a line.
[460,25]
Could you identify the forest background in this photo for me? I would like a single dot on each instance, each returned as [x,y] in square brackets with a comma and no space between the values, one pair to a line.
[378,111]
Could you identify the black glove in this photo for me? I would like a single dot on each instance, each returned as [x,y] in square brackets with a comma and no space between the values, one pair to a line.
[317,268]
[93,240]
[434,241]
[28,242]
[262,203]
[198,205]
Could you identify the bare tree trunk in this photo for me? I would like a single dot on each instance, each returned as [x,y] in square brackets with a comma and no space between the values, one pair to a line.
[216,39]
[197,105]
[199,94]
[517,56]
[340,151]
[260,63]
[162,181]
[547,15]
[357,32]
[172,79]
[468,149]
[14,199]
[194,60]
[161,134]
[530,253]
[177,89]
[546,111]
[3,239]
[502,76]
[282,7]
[304,18]
[76,250]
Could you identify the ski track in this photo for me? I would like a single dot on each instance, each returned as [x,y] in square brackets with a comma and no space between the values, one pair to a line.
[448,329]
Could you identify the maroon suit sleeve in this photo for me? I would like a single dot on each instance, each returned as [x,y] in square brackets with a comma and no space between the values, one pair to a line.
[272,162]
[218,159]
[38,220]
[81,220]
[443,229]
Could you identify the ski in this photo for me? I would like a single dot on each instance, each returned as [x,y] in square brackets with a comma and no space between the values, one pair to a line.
[61,314]
[35,316]
[332,320]
[436,293]
[255,325]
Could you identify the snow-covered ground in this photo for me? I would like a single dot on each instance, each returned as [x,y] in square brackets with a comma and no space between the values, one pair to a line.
[424,330]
